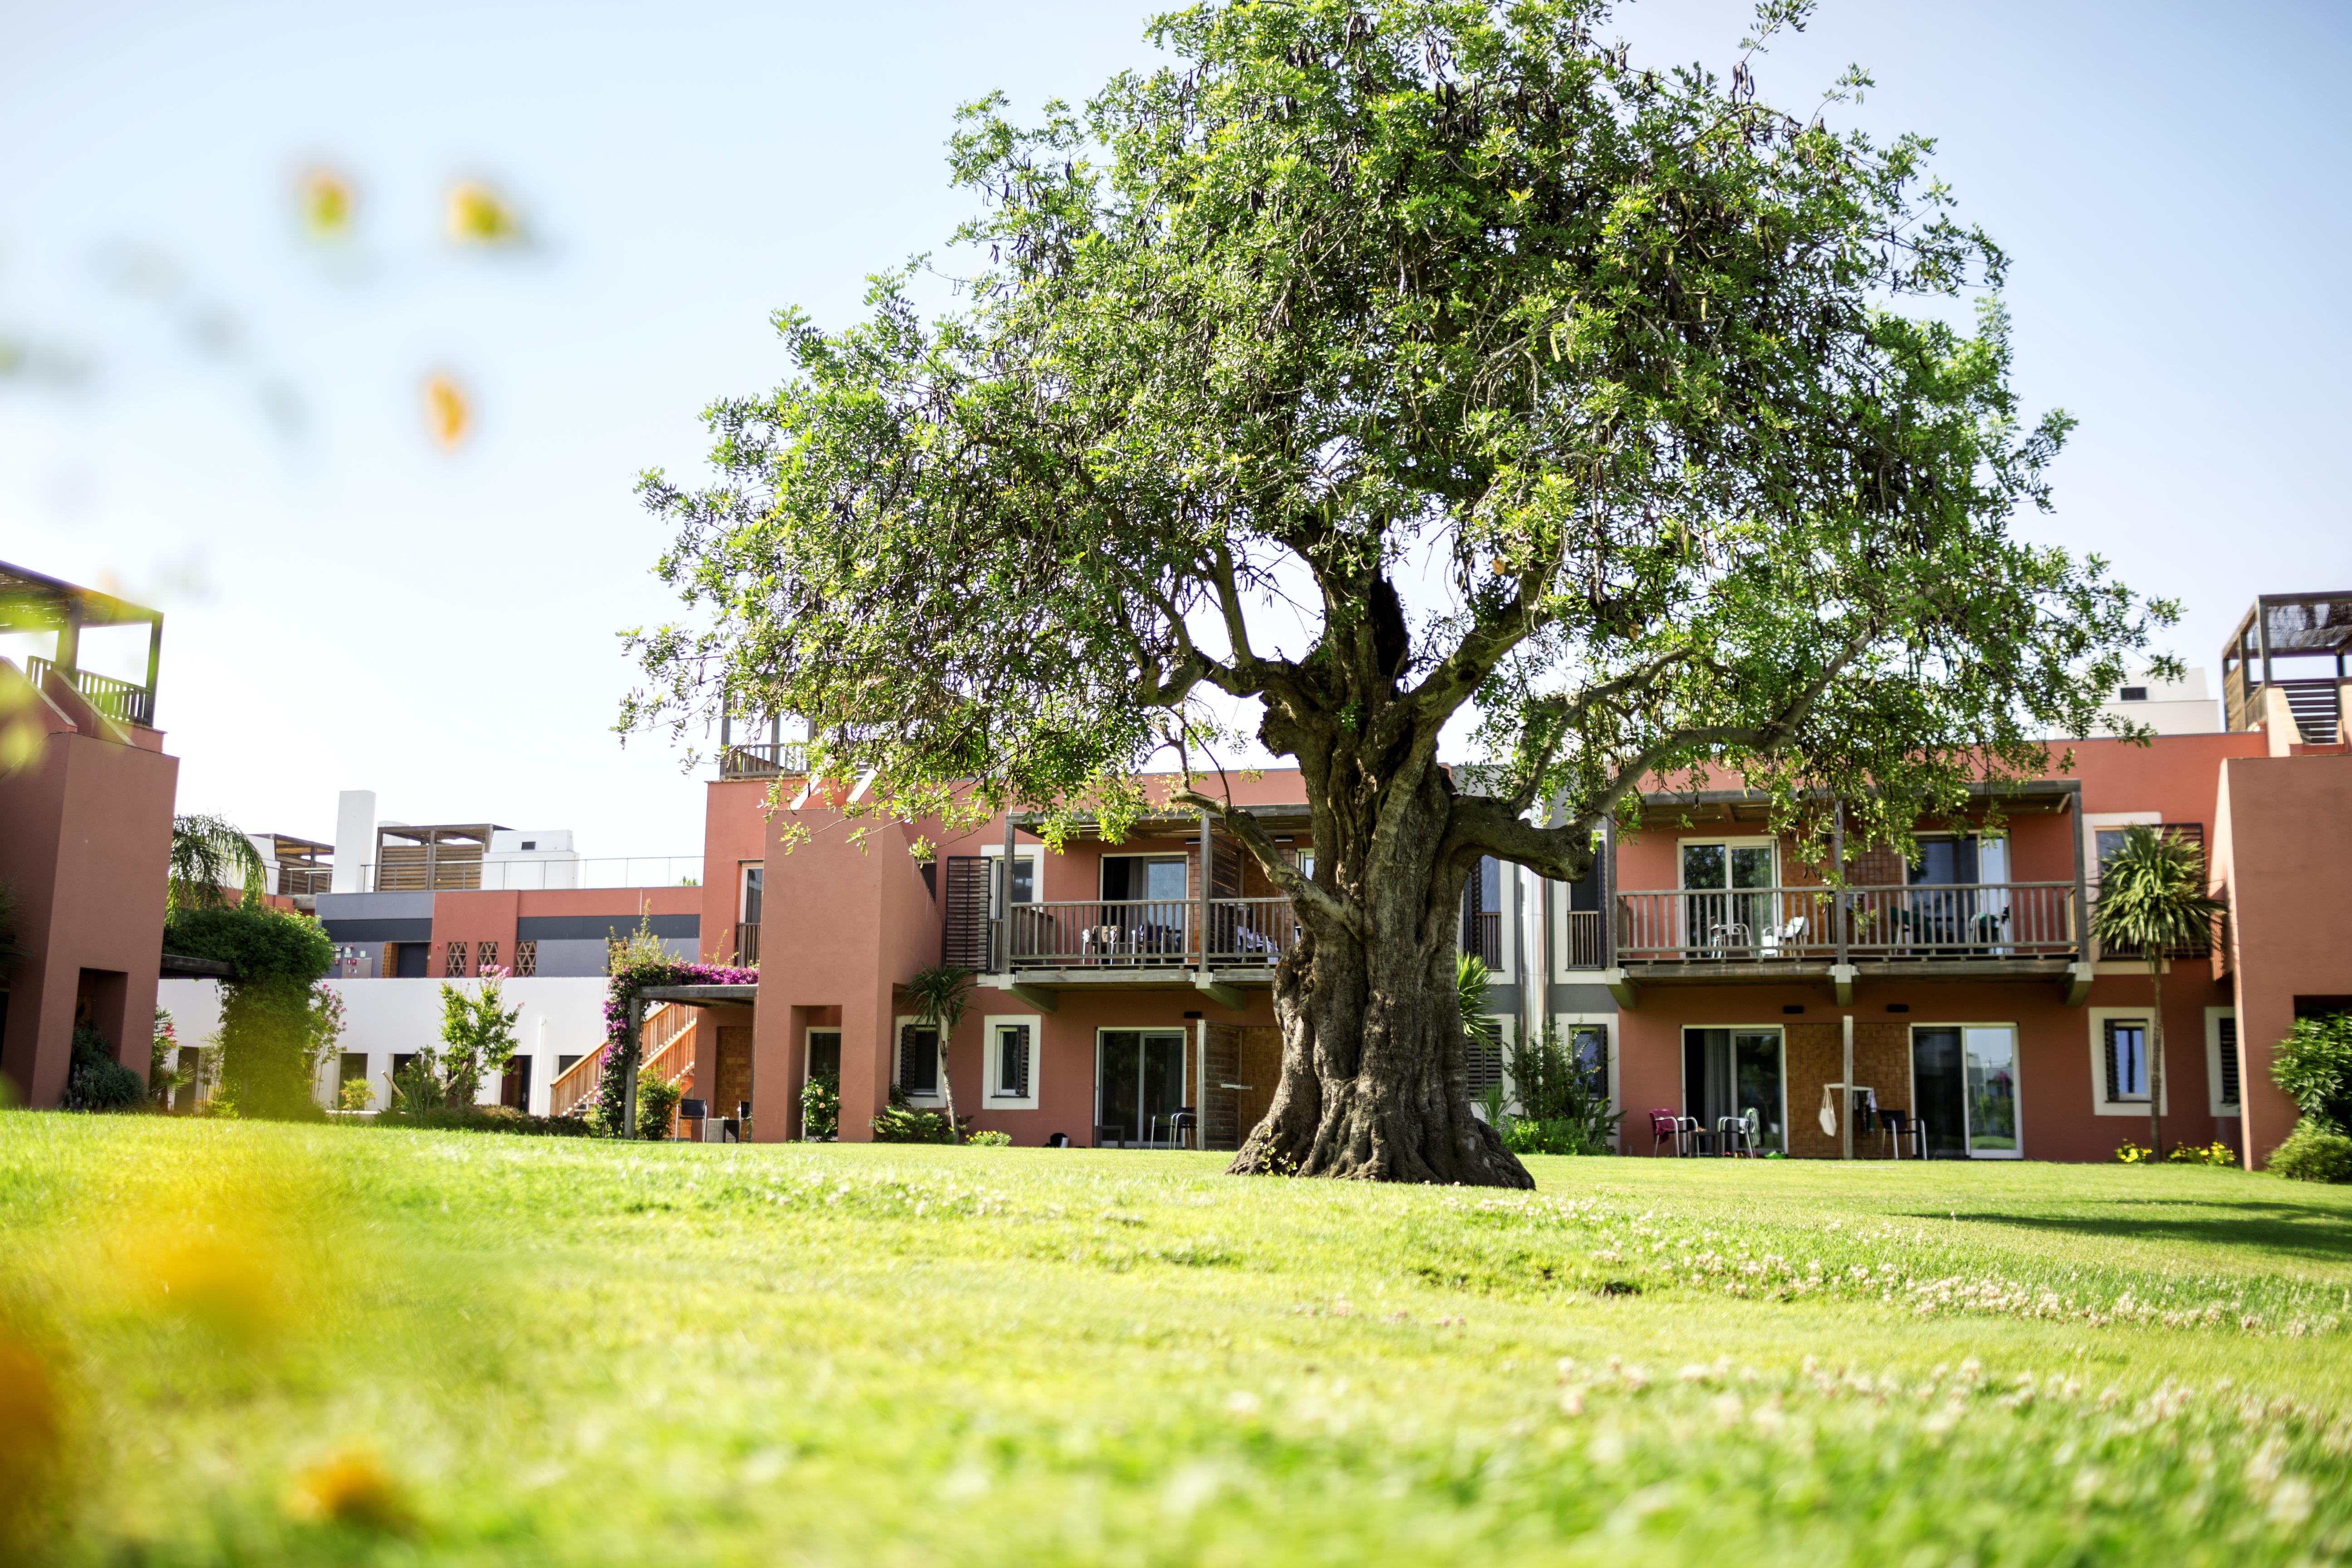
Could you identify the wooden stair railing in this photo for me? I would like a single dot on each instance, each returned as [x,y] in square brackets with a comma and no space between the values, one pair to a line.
[666,1049]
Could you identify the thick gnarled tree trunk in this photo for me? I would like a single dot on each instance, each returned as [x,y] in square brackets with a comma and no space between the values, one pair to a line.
[1374,1083]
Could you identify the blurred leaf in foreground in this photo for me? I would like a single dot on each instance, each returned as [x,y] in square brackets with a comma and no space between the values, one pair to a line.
[479,215]
[325,196]
[448,414]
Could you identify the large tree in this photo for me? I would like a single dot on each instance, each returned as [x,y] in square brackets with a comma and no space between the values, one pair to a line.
[1606,363]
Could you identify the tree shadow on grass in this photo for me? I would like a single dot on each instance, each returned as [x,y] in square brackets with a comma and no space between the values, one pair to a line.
[2292,1230]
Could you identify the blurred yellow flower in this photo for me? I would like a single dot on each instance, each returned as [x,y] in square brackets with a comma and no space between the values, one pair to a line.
[326,202]
[478,216]
[31,1442]
[351,1488]
[449,415]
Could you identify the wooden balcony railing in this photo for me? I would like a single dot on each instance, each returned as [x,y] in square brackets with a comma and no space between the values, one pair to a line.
[125,701]
[1583,933]
[1149,934]
[747,944]
[764,758]
[1983,920]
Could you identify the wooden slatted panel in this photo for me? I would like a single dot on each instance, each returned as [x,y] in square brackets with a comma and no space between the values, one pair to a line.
[964,942]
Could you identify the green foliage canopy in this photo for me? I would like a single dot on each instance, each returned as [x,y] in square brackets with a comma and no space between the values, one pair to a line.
[1617,356]
[276,1020]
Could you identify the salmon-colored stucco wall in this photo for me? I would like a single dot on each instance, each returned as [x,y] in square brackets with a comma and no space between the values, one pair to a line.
[2284,858]
[475,917]
[734,833]
[85,840]
[2055,1089]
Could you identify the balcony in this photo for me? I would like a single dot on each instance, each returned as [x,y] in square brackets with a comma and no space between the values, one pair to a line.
[763,760]
[1125,938]
[747,944]
[1975,930]
[33,602]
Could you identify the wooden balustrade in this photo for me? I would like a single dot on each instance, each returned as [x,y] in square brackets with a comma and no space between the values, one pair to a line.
[1978,920]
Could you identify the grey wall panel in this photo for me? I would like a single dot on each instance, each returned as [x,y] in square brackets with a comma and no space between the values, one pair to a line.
[347,931]
[598,927]
[1582,999]
[375,906]
[577,956]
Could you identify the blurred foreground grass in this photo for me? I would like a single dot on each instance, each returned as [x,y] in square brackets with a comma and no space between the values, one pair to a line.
[224,1342]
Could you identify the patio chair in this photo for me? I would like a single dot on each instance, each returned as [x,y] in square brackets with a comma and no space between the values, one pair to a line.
[1183,1127]
[693,1111]
[1665,1130]
[1903,1126]
[1781,937]
[1738,1135]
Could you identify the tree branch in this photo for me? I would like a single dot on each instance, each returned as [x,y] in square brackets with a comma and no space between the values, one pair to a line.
[1282,875]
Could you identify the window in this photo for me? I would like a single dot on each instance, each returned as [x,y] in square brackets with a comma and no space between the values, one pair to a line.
[2132,694]
[1159,879]
[1026,880]
[2119,1062]
[1724,915]
[1483,925]
[453,963]
[485,958]
[353,1066]
[1306,864]
[527,957]
[2221,1060]
[918,1059]
[530,843]
[1011,1065]
[565,1062]
[753,876]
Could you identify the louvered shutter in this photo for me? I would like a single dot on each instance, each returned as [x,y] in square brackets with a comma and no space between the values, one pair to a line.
[2228,1032]
[965,943]
[2114,1075]
[1013,1061]
[918,1059]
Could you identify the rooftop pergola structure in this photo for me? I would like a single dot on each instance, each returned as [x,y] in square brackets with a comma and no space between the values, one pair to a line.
[2301,628]
[431,857]
[32,601]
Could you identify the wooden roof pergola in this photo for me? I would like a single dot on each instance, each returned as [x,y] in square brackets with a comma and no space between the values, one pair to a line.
[33,602]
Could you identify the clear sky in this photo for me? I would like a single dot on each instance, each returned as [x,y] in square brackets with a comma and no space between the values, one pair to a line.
[214,412]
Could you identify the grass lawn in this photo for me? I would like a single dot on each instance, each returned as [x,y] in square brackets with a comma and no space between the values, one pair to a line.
[265,1344]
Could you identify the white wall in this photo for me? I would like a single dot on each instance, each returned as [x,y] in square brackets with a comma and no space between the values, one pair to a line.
[560,1016]
[2171,707]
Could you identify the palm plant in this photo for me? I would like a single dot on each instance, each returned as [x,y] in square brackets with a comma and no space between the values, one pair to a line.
[1480,1033]
[2153,898]
[209,854]
[939,995]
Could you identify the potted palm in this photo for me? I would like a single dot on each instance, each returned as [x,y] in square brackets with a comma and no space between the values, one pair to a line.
[2152,899]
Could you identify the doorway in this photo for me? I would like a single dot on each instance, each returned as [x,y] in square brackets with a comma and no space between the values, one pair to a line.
[1731,1072]
[1139,1086]
[1721,914]
[823,1054]
[1964,1091]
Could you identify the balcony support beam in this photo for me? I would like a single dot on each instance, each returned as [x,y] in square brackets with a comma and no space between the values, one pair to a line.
[1842,979]
[1621,986]
[1041,997]
[2078,989]
[1229,997]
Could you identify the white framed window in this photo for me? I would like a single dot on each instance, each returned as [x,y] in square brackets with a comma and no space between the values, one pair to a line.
[754,874]
[1306,864]
[2221,1091]
[1012,1043]
[1028,870]
[915,1061]
[2120,1043]
[1593,1037]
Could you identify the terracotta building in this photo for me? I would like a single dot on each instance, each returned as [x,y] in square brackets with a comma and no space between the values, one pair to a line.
[86,793]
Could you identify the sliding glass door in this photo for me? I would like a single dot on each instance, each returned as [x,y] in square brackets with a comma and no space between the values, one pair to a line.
[1719,914]
[1731,1072]
[1139,1085]
[1964,1091]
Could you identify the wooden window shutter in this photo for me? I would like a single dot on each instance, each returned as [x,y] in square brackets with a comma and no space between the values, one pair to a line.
[1013,1061]
[2229,1033]
[918,1059]
[2115,1076]
[453,963]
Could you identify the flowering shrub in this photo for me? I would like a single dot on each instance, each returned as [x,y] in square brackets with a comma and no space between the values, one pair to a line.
[821,1108]
[2216,1154]
[991,1140]
[636,964]
[2130,1154]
